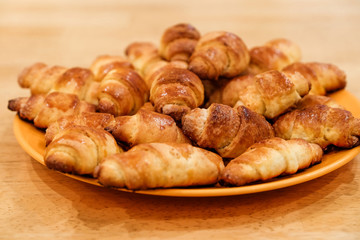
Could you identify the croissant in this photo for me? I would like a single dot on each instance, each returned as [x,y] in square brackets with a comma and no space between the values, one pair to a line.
[219,54]
[88,119]
[324,77]
[39,77]
[227,130]
[175,91]
[44,110]
[145,127]
[271,158]
[312,100]
[79,149]
[270,93]
[160,165]
[122,91]
[273,55]
[320,124]
[42,79]
[105,63]
[178,42]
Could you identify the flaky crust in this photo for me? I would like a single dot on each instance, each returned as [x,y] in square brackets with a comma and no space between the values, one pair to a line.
[175,91]
[269,159]
[312,100]
[79,149]
[219,54]
[160,165]
[229,131]
[320,124]
[270,93]
[146,126]
[178,42]
[122,91]
[324,77]
[273,55]
[105,63]
[88,119]
[44,110]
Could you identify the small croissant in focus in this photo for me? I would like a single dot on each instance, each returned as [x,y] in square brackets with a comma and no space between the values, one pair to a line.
[271,158]
[320,124]
[219,54]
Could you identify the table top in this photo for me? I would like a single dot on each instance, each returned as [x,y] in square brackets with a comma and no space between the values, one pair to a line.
[36,203]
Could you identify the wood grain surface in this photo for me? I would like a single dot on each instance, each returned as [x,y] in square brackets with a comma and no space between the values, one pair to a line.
[36,203]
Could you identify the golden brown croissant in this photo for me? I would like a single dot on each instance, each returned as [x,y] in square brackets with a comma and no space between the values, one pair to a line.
[105,63]
[271,158]
[79,149]
[88,119]
[122,91]
[178,42]
[270,93]
[320,124]
[39,77]
[219,54]
[44,110]
[324,77]
[42,79]
[273,55]
[160,165]
[145,127]
[175,91]
[227,130]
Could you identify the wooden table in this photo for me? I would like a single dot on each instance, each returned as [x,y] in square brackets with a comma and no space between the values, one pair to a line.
[36,203]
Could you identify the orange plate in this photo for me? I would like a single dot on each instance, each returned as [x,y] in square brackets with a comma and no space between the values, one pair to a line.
[32,141]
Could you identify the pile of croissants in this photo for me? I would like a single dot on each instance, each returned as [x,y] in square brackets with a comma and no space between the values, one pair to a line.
[199,110]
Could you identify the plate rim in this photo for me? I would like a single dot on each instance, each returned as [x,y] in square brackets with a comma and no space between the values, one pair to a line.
[277,183]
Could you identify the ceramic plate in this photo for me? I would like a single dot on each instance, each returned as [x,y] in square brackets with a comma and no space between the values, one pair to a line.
[32,141]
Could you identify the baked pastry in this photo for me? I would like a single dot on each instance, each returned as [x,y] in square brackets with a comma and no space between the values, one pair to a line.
[227,130]
[79,149]
[160,165]
[42,79]
[146,126]
[88,119]
[324,77]
[175,91]
[46,109]
[178,42]
[273,55]
[105,63]
[271,158]
[219,54]
[320,124]
[270,93]
[121,92]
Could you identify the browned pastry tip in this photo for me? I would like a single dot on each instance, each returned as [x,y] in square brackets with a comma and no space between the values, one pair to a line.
[175,91]
[122,92]
[79,149]
[160,165]
[273,55]
[271,158]
[105,63]
[27,75]
[219,54]
[312,100]
[178,42]
[320,124]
